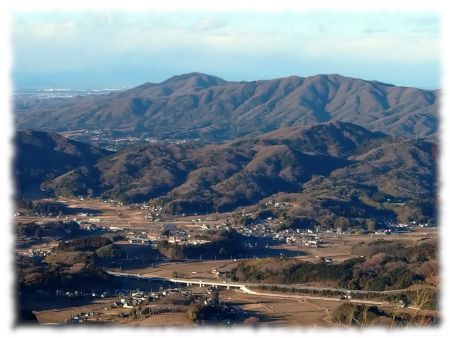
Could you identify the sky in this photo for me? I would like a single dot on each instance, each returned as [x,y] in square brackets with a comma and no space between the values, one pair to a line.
[103,49]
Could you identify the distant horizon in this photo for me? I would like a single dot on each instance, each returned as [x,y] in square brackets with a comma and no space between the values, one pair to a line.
[62,86]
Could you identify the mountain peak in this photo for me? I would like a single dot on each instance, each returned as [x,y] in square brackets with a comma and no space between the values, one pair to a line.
[200,79]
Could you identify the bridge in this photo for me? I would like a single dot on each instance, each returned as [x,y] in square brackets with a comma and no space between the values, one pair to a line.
[245,288]
[187,282]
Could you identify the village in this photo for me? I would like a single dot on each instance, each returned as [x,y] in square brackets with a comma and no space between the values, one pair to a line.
[113,141]
[140,228]
[144,224]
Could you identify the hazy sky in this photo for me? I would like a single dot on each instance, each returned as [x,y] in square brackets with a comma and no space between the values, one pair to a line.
[111,49]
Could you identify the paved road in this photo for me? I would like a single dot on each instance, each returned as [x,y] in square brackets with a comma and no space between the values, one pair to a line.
[245,288]
[209,282]
[278,295]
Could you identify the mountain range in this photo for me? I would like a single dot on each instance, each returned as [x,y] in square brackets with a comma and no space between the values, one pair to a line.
[335,166]
[202,106]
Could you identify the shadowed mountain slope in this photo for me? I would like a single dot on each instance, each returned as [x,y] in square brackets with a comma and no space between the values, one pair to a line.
[42,155]
[333,160]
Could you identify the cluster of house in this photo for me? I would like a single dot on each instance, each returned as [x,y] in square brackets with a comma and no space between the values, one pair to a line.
[38,252]
[136,298]
[79,318]
[151,140]
[80,294]
[182,237]
[347,296]
[115,228]
[129,139]
[178,141]
[177,236]
[304,239]
[113,202]
[413,224]
[141,241]
[140,238]
[310,237]
[257,230]
[203,224]
[266,230]
[154,213]
[276,204]
[90,226]
[128,298]
[98,131]
[105,139]
[169,141]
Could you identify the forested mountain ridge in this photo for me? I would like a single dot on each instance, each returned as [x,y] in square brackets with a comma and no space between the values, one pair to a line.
[203,106]
[332,165]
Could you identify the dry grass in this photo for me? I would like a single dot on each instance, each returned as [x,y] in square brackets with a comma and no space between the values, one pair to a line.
[273,311]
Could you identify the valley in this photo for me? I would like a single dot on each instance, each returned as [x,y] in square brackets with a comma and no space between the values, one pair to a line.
[198,201]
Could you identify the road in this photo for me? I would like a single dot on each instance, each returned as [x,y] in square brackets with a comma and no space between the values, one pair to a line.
[203,282]
[245,288]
